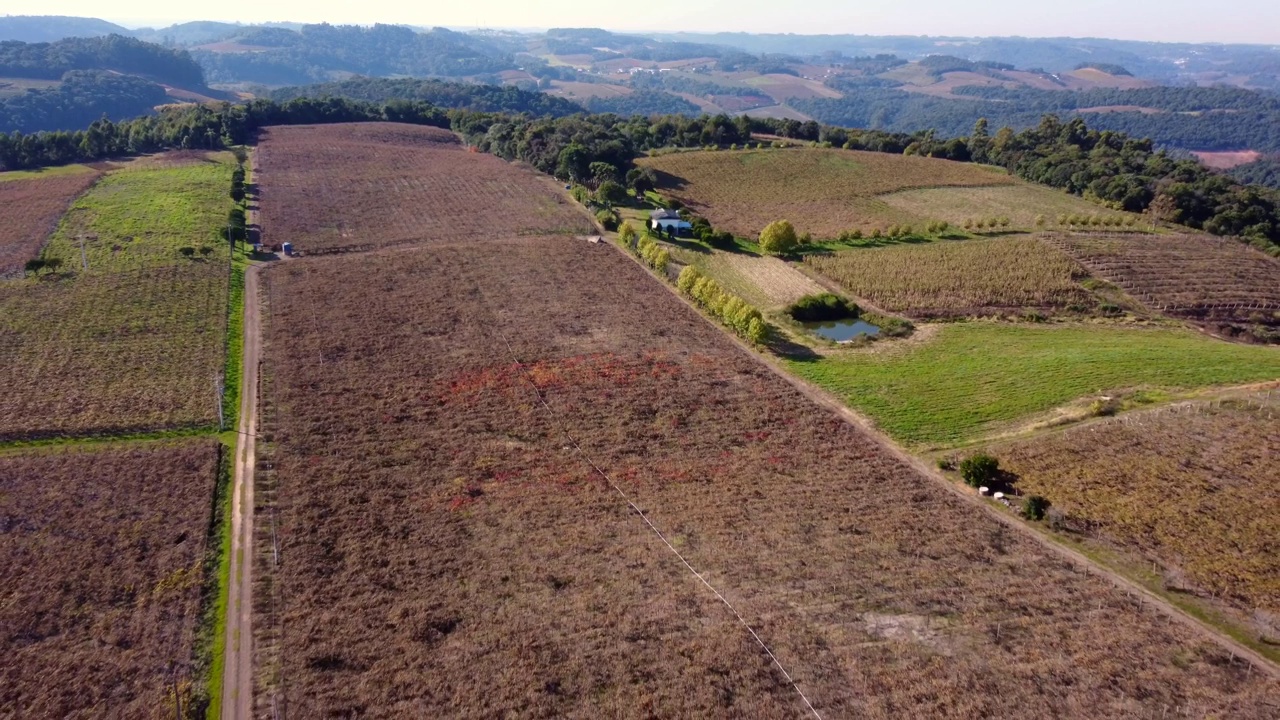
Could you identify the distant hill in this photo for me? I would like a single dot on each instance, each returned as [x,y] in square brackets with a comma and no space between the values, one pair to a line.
[47,28]
[320,53]
[452,95]
[69,83]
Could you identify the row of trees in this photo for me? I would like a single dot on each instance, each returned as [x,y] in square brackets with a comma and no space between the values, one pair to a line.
[211,127]
[730,309]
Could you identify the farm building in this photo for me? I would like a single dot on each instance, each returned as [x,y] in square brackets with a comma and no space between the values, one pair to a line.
[669,222]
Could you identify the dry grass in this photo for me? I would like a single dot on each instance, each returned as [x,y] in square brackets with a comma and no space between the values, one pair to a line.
[102,566]
[823,192]
[1216,281]
[1021,202]
[447,552]
[358,186]
[1194,486]
[32,207]
[764,282]
[950,279]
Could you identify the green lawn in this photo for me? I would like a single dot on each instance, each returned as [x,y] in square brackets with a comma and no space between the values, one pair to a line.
[134,219]
[973,378]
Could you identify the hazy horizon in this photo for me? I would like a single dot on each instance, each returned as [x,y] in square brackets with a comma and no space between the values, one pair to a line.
[1231,21]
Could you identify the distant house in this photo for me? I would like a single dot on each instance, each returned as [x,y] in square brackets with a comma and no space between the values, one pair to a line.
[669,222]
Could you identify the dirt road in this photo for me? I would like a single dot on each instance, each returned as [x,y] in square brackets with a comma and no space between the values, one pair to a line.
[237,678]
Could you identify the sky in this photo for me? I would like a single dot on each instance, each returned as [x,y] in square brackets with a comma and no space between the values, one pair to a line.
[1249,21]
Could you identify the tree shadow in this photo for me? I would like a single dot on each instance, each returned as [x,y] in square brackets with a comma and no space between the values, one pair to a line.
[785,347]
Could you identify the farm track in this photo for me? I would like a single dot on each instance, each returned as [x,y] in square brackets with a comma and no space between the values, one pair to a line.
[830,402]
[237,688]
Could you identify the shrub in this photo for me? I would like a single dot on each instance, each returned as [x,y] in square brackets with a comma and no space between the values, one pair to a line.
[946,464]
[627,234]
[876,234]
[1034,507]
[778,238]
[979,469]
[608,219]
[1041,221]
[822,307]
[580,194]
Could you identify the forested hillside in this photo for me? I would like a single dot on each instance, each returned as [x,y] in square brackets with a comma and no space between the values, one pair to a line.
[315,53]
[444,94]
[113,52]
[82,97]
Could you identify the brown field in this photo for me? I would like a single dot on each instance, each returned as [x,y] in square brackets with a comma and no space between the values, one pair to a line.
[823,192]
[1227,160]
[113,353]
[31,211]
[1121,108]
[950,279]
[447,551]
[1194,487]
[102,562]
[337,188]
[1220,282]
[787,87]
[1021,202]
[587,90]
[1086,78]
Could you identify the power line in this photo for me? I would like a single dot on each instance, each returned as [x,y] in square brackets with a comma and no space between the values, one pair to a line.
[538,392]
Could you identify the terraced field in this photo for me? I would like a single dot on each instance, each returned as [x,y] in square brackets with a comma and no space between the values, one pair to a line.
[104,566]
[1216,281]
[363,185]
[972,379]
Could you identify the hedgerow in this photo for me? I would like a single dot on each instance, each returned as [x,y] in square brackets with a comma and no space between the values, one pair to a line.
[730,309]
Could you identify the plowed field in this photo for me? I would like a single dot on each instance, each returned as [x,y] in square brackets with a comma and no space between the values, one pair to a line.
[1217,281]
[337,188]
[102,567]
[450,545]
[31,211]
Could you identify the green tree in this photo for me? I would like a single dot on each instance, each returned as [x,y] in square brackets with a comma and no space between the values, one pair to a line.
[35,265]
[611,193]
[53,264]
[979,469]
[573,163]
[778,238]
[602,171]
[1035,507]
[627,234]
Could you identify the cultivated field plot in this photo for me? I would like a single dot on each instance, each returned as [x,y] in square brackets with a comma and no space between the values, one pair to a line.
[1021,202]
[102,561]
[109,353]
[447,551]
[765,282]
[823,192]
[1195,486]
[1199,277]
[140,214]
[364,185]
[959,278]
[973,379]
[31,211]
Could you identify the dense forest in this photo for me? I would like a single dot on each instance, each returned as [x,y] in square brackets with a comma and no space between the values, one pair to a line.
[1264,172]
[441,93]
[1248,120]
[316,52]
[50,61]
[642,102]
[82,97]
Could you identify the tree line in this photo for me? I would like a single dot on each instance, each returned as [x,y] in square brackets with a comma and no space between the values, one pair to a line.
[50,61]
[1110,167]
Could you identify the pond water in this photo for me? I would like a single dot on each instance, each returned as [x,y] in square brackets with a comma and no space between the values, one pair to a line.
[842,330]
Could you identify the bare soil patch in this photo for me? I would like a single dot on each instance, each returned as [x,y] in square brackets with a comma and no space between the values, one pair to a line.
[1227,160]
[103,565]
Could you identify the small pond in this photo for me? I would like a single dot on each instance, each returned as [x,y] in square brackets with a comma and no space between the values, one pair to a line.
[842,330]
